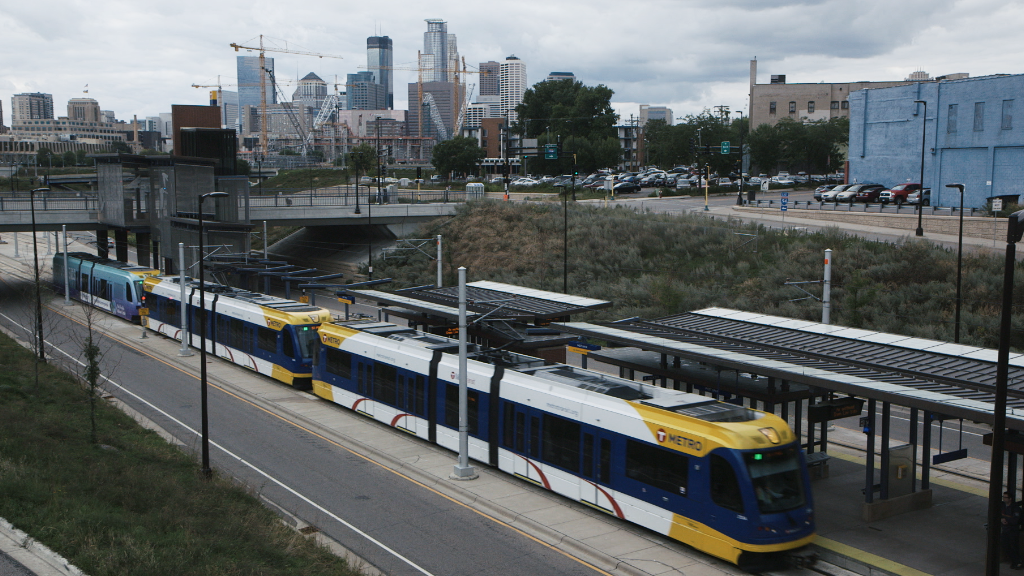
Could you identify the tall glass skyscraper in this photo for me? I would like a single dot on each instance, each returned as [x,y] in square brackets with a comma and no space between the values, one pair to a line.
[379,60]
[249,82]
[440,55]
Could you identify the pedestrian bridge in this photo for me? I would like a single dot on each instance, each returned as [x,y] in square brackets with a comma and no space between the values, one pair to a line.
[334,207]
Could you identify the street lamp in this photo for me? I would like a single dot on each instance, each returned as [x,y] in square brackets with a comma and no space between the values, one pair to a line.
[959,261]
[920,202]
[1014,232]
[35,259]
[202,335]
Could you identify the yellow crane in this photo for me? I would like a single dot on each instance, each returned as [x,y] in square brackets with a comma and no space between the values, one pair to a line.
[263,80]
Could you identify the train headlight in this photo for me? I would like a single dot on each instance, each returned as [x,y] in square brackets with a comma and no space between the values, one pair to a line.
[770,434]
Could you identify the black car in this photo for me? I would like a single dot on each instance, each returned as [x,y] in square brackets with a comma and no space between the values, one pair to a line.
[626,188]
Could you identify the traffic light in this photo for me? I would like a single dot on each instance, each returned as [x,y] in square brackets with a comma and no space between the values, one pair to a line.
[693,147]
[419,172]
[707,148]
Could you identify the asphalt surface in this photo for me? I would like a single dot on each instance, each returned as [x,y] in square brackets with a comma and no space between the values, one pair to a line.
[349,498]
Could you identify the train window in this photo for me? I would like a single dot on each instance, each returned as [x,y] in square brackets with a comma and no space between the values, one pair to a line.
[657,467]
[104,290]
[725,489]
[588,455]
[508,433]
[777,480]
[561,443]
[604,473]
[86,287]
[534,437]
[338,363]
[289,345]
[171,313]
[418,399]
[520,432]
[307,336]
[128,294]
[451,408]
[384,387]
[266,339]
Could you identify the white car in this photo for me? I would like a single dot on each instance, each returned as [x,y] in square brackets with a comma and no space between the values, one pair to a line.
[783,180]
[525,182]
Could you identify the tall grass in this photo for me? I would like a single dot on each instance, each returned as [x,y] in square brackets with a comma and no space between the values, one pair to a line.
[131,504]
[653,265]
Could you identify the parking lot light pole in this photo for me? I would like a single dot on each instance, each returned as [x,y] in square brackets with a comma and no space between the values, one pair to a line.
[207,472]
[920,201]
[959,262]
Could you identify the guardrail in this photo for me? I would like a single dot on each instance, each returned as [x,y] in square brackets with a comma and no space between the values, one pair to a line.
[8,204]
[866,208]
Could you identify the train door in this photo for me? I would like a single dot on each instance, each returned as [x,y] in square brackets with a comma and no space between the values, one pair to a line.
[596,469]
[520,439]
[726,510]
[364,386]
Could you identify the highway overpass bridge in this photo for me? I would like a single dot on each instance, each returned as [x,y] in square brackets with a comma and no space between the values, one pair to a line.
[336,209]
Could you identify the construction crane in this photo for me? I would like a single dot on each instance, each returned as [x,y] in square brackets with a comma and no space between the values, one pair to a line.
[263,79]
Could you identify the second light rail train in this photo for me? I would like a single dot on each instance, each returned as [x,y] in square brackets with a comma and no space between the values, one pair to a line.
[270,335]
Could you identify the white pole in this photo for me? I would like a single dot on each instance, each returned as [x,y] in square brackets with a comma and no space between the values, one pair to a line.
[49,249]
[16,255]
[826,294]
[265,242]
[67,275]
[439,278]
[463,471]
[184,305]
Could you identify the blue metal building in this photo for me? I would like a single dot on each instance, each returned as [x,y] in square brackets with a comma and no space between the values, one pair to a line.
[970,137]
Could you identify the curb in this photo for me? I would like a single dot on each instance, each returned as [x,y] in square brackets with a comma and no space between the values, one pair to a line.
[55,561]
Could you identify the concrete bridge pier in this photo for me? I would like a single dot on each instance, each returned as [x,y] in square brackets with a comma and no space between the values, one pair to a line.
[142,240]
[101,244]
[121,245]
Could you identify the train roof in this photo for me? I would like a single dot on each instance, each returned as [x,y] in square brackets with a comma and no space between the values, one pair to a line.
[409,336]
[674,401]
[263,301]
[86,257]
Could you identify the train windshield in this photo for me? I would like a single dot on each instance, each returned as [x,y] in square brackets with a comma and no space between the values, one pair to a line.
[307,336]
[777,480]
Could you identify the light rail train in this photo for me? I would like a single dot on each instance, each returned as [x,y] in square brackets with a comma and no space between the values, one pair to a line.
[722,478]
[109,285]
[266,334]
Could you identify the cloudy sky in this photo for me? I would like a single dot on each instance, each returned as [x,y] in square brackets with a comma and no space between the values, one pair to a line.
[138,58]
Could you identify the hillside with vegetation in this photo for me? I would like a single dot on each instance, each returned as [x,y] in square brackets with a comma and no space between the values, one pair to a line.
[653,265]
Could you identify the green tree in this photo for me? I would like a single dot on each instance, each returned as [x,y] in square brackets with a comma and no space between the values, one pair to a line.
[567,108]
[765,145]
[69,158]
[120,146]
[45,157]
[460,155]
[80,158]
[317,155]
[242,167]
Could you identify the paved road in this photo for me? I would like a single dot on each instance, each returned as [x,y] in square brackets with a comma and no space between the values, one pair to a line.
[317,480]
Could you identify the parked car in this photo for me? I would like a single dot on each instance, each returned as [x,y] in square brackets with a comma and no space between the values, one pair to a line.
[915,197]
[525,182]
[869,193]
[626,188]
[851,193]
[723,182]
[783,180]
[898,194]
[821,190]
[830,195]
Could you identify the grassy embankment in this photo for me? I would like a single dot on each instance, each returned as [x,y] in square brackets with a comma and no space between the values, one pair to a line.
[654,265]
[132,503]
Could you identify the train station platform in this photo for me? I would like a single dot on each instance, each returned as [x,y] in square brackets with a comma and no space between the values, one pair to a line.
[946,539]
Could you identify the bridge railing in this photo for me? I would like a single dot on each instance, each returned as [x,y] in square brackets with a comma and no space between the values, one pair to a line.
[8,204]
[346,196]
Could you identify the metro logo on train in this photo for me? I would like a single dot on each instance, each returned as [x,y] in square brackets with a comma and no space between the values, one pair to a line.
[688,443]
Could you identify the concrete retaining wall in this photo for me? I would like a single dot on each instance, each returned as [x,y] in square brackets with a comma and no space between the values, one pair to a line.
[974,226]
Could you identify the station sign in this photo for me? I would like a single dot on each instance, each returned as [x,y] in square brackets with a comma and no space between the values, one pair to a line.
[451,331]
[834,409]
[346,299]
[581,347]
